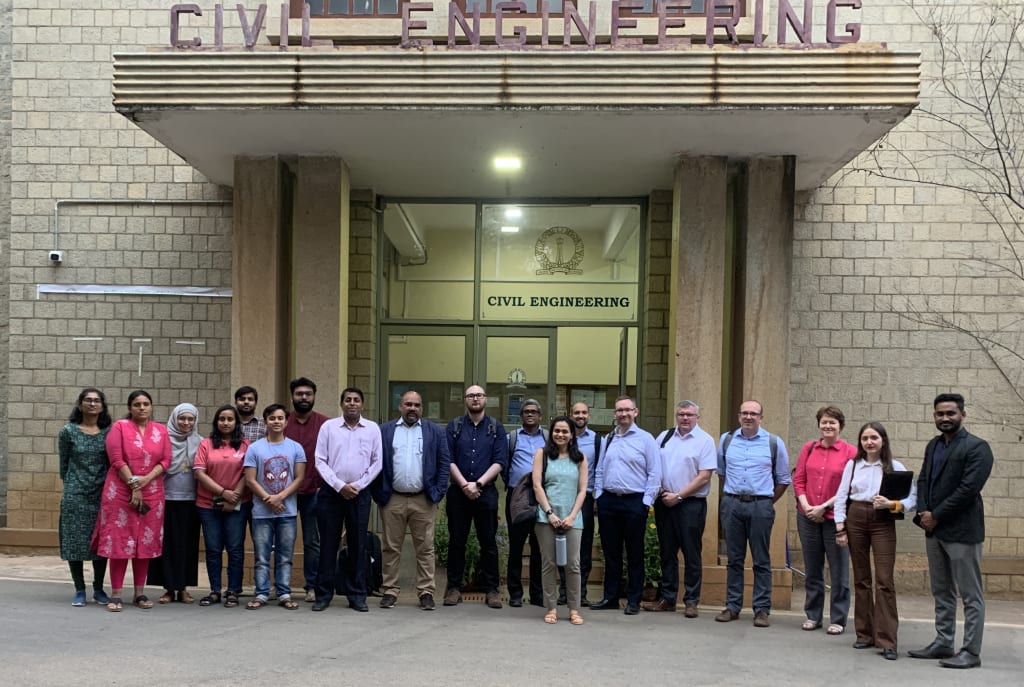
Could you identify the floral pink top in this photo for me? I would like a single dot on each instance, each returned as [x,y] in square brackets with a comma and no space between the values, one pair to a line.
[121,531]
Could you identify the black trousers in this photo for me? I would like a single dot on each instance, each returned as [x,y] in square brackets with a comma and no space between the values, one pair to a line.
[681,526]
[482,514]
[332,513]
[517,537]
[622,519]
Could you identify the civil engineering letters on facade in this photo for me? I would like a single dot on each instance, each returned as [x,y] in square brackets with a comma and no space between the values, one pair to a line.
[721,17]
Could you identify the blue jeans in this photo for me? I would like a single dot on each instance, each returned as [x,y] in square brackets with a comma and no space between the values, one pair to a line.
[748,522]
[310,539]
[224,530]
[279,534]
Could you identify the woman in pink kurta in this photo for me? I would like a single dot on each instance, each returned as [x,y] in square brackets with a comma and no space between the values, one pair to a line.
[131,520]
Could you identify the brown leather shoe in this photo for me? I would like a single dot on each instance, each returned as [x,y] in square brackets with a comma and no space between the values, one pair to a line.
[727,616]
[452,597]
[761,619]
[690,611]
[659,606]
[493,600]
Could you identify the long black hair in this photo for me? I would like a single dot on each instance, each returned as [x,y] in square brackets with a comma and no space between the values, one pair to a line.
[236,436]
[551,450]
[885,454]
[103,421]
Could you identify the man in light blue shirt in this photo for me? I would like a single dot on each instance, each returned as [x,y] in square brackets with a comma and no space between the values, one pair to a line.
[626,482]
[754,466]
[523,443]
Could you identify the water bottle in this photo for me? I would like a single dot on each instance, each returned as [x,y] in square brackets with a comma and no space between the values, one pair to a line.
[561,555]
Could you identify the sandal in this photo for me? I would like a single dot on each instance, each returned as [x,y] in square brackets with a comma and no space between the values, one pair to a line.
[142,601]
[575,618]
[286,602]
[166,598]
[114,605]
[230,599]
[835,629]
[256,604]
[185,598]
[210,599]
[810,625]
[552,617]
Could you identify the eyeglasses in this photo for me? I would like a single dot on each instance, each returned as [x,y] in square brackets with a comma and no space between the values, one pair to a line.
[303,394]
[530,412]
[470,396]
[92,401]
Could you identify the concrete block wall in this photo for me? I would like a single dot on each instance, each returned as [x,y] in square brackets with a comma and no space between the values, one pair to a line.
[5,228]
[68,143]
[655,318]
[870,251]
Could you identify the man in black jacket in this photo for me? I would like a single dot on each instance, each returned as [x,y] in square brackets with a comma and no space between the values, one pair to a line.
[950,510]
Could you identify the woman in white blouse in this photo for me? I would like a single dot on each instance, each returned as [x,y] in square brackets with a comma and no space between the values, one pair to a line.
[866,522]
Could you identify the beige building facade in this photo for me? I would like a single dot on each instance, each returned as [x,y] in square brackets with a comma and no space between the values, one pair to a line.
[684,223]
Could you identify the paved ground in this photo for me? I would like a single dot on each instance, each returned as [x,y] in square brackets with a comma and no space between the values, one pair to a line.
[47,642]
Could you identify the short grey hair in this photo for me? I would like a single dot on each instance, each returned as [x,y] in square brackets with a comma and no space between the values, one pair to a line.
[689,404]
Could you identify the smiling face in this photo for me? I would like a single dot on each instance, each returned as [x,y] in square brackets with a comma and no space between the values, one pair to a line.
[351,407]
[186,422]
[750,417]
[561,434]
[276,421]
[625,413]
[948,417]
[829,427]
[580,416]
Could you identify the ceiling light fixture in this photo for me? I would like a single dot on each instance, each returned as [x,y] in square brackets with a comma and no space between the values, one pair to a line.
[510,230]
[508,163]
[513,212]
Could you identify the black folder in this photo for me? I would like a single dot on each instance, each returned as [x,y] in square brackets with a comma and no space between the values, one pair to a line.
[896,485]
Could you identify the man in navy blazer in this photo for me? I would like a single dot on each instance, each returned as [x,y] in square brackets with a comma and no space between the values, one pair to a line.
[950,510]
[413,480]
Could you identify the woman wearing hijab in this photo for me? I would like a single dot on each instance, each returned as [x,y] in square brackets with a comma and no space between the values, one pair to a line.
[178,567]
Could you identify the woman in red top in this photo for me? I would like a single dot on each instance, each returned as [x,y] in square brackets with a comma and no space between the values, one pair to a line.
[223,503]
[131,520]
[819,469]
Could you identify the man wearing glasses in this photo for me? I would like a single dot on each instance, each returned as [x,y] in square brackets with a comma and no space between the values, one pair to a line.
[522,445]
[687,461]
[755,468]
[627,480]
[478,445]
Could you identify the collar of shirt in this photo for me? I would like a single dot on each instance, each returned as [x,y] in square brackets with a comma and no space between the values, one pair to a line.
[401,421]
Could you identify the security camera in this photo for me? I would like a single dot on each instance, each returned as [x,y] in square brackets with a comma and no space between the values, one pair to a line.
[56,257]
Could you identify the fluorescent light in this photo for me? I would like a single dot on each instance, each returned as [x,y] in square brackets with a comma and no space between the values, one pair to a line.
[512,212]
[510,230]
[508,163]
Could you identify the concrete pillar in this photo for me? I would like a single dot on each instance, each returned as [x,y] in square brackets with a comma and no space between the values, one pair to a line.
[700,234]
[319,276]
[763,308]
[259,278]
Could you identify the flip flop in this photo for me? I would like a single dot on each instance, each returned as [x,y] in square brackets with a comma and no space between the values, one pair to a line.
[287,603]
[834,629]
[142,601]
[114,605]
[810,625]
[256,604]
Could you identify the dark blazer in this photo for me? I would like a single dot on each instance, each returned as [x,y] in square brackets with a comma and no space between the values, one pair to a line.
[436,463]
[954,497]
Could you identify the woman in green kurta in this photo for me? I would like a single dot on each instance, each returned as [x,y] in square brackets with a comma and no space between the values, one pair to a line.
[83,467]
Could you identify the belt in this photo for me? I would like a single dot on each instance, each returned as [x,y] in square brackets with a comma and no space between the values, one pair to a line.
[623,495]
[747,498]
[408,493]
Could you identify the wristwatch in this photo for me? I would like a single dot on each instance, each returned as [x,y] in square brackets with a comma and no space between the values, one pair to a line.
[479,485]
[549,512]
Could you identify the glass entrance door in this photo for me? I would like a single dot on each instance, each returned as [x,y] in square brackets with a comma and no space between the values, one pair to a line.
[518,363]
[434,361]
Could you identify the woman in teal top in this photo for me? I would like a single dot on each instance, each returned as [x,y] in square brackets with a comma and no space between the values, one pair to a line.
[560,483]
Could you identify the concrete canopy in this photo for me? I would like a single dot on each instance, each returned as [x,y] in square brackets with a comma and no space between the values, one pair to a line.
[584,123]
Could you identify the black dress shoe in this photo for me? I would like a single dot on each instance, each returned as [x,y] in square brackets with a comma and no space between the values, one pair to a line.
[585,602]
[358,606]
[605,605]
[964,659]
[516,601]
[632,609]
[889,654]
[320,605]
[933,650]
[863,645]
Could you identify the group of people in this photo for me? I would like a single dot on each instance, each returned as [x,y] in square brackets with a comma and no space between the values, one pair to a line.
[136,490]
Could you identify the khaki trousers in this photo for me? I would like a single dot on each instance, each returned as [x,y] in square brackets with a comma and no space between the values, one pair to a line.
[415,514]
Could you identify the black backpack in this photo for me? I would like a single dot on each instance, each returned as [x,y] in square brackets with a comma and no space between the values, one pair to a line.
[373,567]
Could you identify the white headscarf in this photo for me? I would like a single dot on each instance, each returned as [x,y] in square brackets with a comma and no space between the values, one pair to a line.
[183,446]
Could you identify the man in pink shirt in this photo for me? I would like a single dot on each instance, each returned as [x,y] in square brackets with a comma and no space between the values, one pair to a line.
[348,458]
